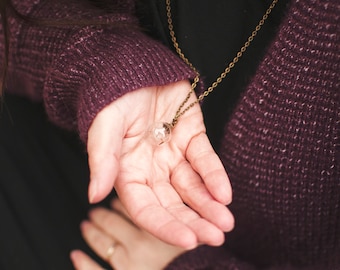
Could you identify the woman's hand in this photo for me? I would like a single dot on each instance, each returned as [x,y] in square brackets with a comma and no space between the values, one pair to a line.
[124,246]
[176,191]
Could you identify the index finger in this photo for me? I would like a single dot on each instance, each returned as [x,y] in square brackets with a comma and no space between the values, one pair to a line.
[208,165]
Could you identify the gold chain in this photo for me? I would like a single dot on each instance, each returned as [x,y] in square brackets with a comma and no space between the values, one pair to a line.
[180,110]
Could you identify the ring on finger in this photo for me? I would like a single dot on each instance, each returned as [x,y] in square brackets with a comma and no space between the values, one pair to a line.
[111,250]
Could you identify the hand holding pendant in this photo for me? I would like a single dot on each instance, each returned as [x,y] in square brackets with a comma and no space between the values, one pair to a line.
[177,191]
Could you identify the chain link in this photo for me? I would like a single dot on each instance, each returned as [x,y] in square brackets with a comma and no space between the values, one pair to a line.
[181,110]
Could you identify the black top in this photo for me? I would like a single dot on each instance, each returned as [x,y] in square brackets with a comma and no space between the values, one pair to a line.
[210,34]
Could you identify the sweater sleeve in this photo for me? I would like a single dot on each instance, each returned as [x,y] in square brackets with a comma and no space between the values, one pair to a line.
[206,257]
[280,149]
[76,71]
[221,258]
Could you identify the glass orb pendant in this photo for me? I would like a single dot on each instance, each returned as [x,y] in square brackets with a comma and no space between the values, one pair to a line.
[160,132]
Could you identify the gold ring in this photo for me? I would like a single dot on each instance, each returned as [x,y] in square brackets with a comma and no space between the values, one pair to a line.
[111,250]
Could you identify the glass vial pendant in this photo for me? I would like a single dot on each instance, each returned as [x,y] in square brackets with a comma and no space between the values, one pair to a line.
[160,132]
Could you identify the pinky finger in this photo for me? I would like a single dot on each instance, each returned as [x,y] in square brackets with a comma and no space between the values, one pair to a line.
[81,261]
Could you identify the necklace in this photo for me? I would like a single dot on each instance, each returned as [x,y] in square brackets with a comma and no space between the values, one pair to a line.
[160,132]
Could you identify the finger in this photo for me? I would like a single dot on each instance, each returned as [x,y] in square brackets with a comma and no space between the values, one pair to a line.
[104,147]
[81,261]
[104,246]
[207,164]
[195,194]
[206,231]
[169,214]
[118,206]
[114,225]
[147,212]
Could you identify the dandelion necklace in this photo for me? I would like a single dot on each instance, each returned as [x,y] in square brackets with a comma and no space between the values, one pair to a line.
[160,132]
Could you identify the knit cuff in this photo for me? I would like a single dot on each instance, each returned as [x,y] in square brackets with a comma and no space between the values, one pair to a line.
[99,66]
[208,258]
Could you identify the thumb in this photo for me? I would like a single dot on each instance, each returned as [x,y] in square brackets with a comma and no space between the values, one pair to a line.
[102,177]
[104,146]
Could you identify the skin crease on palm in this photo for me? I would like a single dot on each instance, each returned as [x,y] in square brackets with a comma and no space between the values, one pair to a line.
[178,186]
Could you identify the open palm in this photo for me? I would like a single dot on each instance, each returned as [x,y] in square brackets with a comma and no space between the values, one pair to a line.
[176,191]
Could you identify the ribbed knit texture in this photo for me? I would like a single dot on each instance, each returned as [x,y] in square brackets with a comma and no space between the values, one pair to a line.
[281,152]
[280,146]
[80,70]
[101,66]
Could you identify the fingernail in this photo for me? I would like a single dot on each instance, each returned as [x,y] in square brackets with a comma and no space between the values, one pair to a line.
[73,254]
[93,191]
[83,224]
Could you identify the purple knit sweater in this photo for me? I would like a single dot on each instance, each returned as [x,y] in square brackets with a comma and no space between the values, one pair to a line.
[280,146]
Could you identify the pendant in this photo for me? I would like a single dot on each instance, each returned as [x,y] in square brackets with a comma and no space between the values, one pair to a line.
[159,132]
